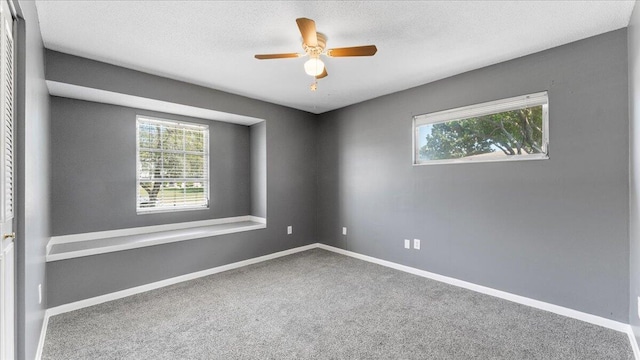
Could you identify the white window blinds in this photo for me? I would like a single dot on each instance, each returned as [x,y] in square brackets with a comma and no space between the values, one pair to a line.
[172,165]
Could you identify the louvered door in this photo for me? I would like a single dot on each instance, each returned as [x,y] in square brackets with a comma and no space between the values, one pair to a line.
[7,188]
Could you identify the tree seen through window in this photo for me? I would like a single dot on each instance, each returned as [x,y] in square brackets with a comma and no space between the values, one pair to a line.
[516,132]
[172,165]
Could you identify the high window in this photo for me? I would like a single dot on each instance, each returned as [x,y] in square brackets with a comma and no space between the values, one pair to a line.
[509,129]
[172,165]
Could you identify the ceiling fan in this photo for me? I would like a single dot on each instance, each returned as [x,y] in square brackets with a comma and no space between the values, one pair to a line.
[314,44]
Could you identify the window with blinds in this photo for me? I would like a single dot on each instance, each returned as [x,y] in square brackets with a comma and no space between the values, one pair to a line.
[516,128]
[172,165]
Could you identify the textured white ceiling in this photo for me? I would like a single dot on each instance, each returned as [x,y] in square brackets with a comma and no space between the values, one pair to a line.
[212,43]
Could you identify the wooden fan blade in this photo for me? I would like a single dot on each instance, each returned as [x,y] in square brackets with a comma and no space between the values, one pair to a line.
[324,74]
[367,50]
[308,30]
[278,56]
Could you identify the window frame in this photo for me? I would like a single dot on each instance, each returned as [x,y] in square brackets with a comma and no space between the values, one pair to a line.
[480,109]
[207,188]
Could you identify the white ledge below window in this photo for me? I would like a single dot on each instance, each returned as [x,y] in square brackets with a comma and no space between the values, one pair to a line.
[78,245]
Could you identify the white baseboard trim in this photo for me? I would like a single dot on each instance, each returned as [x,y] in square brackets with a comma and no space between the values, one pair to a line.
[43,334]
[560,310]
[634,343]
[593,319]
[178,279]
[156,285]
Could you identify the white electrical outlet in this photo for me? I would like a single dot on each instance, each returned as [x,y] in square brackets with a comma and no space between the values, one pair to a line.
[416,244]
[638,306]
[39,293]
[344,231]
[289,230]
[407,244]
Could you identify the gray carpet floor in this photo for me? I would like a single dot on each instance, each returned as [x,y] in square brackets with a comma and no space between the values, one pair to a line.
[321,305]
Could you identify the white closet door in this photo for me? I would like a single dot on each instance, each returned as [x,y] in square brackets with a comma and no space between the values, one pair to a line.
[7,188]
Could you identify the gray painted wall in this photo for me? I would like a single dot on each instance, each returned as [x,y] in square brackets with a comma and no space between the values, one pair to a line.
[259,170]
[93,174]
[290,188]
[553,230]
[633,33]
[32,176]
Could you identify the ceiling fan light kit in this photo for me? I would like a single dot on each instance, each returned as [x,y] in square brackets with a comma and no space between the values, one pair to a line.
[314,67]
[314,44]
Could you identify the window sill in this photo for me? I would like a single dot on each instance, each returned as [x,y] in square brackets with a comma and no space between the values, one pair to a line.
[470,160]
[79,245]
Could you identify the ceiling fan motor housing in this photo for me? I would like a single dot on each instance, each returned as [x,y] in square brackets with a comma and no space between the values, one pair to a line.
[314,45]
[315,51]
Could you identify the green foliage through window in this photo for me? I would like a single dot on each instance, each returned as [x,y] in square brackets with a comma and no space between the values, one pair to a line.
[519,132]
[172,170]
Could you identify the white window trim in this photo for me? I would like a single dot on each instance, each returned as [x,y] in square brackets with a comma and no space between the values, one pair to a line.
[491,107]
[185,125]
